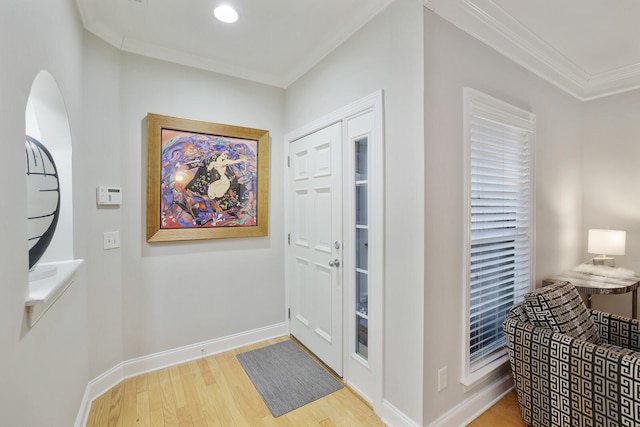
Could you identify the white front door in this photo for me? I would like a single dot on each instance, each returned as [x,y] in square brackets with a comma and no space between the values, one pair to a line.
[316,243]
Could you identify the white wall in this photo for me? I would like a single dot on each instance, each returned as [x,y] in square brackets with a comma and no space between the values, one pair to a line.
[454,60]
[144,298]
[181,293]
[100,152]
[611,193]
[43,370]
[386,54]
[139,299]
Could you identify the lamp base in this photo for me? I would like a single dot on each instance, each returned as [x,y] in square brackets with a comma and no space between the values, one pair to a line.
[604,260]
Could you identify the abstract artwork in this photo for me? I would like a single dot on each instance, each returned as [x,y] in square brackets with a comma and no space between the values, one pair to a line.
[205,180]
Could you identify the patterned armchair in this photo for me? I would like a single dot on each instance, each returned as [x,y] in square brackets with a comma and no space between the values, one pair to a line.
[572,366]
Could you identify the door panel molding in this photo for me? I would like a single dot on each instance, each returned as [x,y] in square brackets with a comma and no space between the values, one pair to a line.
[318,218]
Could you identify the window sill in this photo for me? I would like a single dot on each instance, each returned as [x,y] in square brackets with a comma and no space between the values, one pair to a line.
[43,293]
[469,381]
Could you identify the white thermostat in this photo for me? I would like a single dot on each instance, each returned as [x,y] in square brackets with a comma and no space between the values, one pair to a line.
[109,196]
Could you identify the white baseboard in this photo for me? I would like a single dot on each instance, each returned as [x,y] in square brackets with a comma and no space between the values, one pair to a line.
[163,359]
[469,409]
[393,417]
[81,418]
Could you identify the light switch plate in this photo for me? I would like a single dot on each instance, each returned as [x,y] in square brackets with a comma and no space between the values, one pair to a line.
[111,240]
[442,378]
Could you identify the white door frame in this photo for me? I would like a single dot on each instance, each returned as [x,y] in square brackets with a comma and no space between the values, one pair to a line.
[351,362]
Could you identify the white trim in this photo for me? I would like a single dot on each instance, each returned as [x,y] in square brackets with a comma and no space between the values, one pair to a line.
[394,417]
[175,56]
[377,255]
[366,372]
[492,25]
[83,413]
[488,107]
[470,408]
[612,82]
[45,292]
[163,359]
[471,380]
[372,102]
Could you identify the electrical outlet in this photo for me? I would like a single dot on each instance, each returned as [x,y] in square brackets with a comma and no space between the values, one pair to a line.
[442,378]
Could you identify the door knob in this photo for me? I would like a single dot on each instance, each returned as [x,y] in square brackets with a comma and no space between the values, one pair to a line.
[334,263]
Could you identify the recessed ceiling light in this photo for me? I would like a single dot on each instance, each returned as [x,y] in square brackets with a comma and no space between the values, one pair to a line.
[226,14]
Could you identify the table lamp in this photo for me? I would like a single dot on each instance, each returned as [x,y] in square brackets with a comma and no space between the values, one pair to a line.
[606,243]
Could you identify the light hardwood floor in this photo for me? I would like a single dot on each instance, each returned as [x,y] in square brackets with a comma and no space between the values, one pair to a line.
[505,413]
[215,391]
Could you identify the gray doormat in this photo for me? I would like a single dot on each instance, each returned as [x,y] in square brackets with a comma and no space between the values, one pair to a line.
[286,377]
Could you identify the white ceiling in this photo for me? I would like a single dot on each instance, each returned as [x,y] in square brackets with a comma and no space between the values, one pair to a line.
[590,48]
[599,36]
[274,41]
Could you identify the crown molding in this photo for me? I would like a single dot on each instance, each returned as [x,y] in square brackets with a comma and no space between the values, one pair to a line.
[613,82]
[87,11]
[492,25]
[152,50]
[92,23]
[482,19]
[127,44]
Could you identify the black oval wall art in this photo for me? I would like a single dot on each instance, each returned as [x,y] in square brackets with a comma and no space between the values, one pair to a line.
[43,199]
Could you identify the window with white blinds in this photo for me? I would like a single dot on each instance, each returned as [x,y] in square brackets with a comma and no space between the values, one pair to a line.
[499,202]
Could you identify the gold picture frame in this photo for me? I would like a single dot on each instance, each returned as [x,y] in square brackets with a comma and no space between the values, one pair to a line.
[205,180]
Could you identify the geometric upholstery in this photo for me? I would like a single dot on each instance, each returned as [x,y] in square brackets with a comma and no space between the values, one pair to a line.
[563,381]
[560,308]
[621,350]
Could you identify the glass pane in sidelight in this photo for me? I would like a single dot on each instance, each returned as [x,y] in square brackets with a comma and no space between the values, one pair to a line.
[361,204]
[362,162]
[362,293]
[362,248]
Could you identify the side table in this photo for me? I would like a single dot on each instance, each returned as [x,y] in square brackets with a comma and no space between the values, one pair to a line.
[599,285]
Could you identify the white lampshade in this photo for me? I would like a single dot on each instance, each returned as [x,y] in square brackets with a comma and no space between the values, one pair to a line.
[607,242]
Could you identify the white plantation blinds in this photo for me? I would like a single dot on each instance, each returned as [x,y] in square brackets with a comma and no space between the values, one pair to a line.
[499,204]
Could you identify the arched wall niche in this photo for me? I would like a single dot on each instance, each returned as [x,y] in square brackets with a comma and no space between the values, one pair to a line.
[46,120]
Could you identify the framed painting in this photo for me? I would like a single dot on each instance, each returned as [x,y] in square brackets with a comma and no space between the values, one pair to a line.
[205,180]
